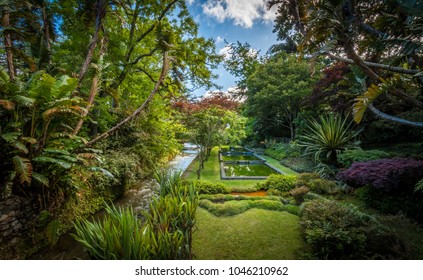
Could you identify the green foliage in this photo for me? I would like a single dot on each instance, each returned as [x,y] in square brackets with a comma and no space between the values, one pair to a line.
[283,150]
[335,231]
[328,137]
[322,186]
[411,204]
[419,186]
[292,209]
[166,234]
[125,170]
[235,207]
[205,187]
[167,179]
[341,231]
[275,91]
[283,183]
[52,232]
[299,194]
[300,164]
[348,157]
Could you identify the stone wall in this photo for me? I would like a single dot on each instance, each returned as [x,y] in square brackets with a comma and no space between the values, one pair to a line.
[15,216]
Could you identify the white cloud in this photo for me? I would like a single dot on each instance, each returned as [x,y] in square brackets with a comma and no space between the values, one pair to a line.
[242,12]
[190,2]
[225,52]
[219,40]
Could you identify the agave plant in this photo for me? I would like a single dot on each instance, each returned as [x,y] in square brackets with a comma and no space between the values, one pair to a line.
[327,137]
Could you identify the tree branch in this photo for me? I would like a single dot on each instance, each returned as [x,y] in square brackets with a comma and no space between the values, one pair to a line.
[377,65]
[392,118]
[165,70]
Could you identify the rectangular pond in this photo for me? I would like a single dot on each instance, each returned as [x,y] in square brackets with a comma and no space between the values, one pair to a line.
[248,169]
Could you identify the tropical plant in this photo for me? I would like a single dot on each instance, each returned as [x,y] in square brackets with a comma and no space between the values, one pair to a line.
[166,233]
[328,137]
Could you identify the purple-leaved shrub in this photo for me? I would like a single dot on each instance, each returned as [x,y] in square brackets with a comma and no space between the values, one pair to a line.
[387,175]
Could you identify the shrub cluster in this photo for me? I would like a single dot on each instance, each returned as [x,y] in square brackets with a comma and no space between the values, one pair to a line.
[387,175]
[341,231]
[347,158]
[316,184]
[234,207]
[283,150]
[299,164]
[411,204]
[299,193]
[204,187]
[123,172]
[283,183]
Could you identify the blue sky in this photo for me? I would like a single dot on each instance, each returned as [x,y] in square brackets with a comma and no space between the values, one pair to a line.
[233,20]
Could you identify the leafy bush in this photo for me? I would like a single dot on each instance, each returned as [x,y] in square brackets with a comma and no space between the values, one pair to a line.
[299,164]
[283,183]
[204,187]
[350,156]
[239,205]
[316,184]
[334,230]
[323,186]
[283,150]
[299,193]
[229,208]
[292,209]
[411,204]
[388,175]
[304,178]
[124,172]
[341,231]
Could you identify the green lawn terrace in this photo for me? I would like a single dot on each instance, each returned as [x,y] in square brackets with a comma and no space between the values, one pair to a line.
[243,164]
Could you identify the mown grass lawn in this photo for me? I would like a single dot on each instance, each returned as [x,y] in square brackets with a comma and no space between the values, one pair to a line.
[253,235]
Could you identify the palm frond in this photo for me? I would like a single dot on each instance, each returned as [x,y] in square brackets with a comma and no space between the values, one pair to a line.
[374,91]
[62,163]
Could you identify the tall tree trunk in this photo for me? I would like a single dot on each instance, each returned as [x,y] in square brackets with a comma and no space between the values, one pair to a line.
[8,44]
[100,14]
[93,92]
[46,29]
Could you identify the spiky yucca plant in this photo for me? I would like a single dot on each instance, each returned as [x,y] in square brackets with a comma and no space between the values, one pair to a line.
[327,137]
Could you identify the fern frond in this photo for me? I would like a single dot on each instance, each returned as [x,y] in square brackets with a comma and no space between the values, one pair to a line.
[23,168]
